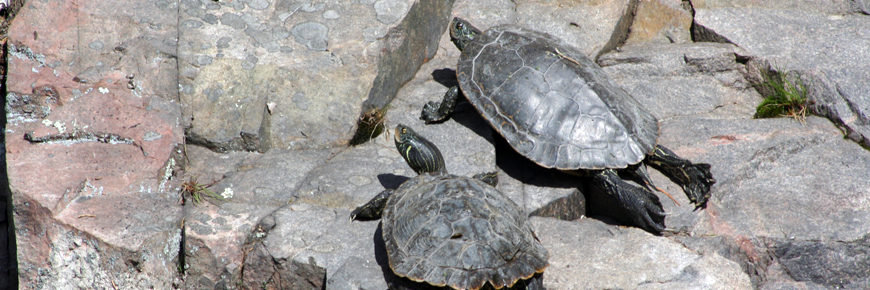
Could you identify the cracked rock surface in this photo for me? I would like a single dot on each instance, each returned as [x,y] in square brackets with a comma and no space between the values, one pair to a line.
[114,109]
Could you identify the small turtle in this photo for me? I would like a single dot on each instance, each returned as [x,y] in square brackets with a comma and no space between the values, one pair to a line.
[556,107]
[453,231]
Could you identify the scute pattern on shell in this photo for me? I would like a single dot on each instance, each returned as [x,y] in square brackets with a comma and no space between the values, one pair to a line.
[552,103]
[456,231]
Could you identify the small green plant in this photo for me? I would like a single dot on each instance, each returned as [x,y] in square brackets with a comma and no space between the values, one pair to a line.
[197,192]
[784,95]
[369,126]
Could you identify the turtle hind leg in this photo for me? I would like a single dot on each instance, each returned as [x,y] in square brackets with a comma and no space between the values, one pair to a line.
[694,178]
[642,206]
[438,112]
[373,209]
[490,178]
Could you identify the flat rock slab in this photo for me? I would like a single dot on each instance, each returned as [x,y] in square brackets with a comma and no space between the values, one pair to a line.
[591,26]
[281,74]
[780,188]
[589,254]
[827,51]
[252,186]
[672,80]
[777,178]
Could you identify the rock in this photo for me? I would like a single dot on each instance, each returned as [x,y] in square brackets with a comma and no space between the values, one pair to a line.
[824,7]
[834,264]
[100,137]
[309,63]
[767,151]
[253,186]
[261,272]
[91,159]
[825,51]
[405,48]
[589,254]
[685,79]
[660,21]
[763,200]
[593,27]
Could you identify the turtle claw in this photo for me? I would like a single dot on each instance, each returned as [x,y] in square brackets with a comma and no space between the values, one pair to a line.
[434,112]
[430,113]
[642,206]
[695,178]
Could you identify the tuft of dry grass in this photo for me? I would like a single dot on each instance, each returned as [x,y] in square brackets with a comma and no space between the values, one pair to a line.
[197,192]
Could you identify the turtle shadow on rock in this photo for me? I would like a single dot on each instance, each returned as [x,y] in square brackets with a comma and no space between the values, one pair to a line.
[391,181]
[445,77]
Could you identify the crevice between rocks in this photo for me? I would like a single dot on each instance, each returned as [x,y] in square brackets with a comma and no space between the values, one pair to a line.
[260,269]
[700,33]
[621,31]
[405,48]
[8,243]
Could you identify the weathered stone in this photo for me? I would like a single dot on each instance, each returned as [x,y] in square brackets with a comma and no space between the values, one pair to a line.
[405,48]
[779,168]
[271,53]
[820,6]
[252,186]
[94,203]
[263,272]
[826,50]
[594,27]
[589,254]
[835,264]
[660,21]
[685,79]
[94,68]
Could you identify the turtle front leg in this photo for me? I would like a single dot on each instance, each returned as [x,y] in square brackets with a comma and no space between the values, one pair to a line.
[373,209]
[438,112]
[642,206]
[694,178]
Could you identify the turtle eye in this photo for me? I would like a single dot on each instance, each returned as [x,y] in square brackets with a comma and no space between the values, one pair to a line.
[460,25]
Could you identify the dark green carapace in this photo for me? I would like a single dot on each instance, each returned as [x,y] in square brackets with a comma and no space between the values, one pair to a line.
[558,108]
[443,231]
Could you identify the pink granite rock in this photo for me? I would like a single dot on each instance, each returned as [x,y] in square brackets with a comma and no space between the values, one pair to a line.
[91,146]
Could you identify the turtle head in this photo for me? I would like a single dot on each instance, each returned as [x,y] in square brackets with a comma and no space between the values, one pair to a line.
[462,32]
[418,152]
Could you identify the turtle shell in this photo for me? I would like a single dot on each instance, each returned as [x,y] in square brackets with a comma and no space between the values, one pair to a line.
[459,232]
[552,103]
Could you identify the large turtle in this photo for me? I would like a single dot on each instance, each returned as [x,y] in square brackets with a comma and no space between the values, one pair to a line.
[453,231]
[558,108]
